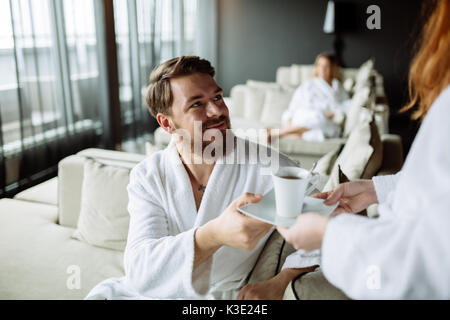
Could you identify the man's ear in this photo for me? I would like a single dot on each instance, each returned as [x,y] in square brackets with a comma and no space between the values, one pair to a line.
[165,122]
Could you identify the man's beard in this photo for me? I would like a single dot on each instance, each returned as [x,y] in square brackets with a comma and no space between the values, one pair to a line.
[211,143]
[211,123]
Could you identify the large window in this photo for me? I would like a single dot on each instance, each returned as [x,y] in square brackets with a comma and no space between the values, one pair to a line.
[57,89]
[49,85]
[50,82]
[148,32]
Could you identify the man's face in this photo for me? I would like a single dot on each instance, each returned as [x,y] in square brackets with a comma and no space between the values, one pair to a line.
[323,68]
[198,99]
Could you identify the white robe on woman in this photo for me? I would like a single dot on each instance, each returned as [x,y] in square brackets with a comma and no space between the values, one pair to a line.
[405,253]
[159,255]
[308,106]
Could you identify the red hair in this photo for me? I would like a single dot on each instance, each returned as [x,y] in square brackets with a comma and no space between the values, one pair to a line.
[430,69]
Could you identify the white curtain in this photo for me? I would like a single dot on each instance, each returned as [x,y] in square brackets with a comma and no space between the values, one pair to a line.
[149,32]
[206,34]
[49,98]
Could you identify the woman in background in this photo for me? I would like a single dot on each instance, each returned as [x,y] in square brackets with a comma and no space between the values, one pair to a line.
[405,253]
[317,106]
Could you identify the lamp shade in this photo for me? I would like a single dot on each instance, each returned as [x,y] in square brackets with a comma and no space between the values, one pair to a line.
[329,24]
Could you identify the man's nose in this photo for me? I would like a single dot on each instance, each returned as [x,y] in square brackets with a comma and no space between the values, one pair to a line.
[213,109]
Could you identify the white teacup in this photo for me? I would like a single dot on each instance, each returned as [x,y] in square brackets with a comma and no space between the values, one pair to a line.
[291,187]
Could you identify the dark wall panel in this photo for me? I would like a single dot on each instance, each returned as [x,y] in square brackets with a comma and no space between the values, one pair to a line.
[257,36]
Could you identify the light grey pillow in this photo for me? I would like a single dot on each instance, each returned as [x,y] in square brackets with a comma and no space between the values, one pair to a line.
[313,286]
[275,103]
[271,258]
[361,151]
[254,102]
[357,103]
[104,217]
[325,164]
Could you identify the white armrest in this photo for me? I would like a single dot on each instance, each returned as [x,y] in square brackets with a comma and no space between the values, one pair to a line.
[70,176]
[237,96]
[70,179]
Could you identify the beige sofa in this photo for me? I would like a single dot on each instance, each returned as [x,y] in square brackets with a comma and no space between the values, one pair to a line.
[39,258]
[38,255]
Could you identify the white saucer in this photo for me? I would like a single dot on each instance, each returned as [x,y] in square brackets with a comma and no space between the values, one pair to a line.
[265,210]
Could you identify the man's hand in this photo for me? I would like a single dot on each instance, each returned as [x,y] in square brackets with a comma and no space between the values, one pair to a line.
[236,230]
[353,196]
[231,228]
[307,232]
[272,289]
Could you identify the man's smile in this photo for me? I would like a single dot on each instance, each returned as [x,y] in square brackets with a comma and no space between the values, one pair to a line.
[221,125]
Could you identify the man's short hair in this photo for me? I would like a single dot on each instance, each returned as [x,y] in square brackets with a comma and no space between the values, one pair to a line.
[159,95]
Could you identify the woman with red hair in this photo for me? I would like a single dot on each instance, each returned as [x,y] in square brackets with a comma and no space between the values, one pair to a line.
[405,253]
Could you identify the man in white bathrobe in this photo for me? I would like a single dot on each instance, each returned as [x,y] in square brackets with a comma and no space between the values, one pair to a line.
[186,238]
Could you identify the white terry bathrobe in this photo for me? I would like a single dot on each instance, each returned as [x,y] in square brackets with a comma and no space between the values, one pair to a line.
[159,255]
[308,106]
[405,253]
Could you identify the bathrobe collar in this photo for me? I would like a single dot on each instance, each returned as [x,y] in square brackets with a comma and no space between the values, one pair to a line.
[180,186]
[325,87]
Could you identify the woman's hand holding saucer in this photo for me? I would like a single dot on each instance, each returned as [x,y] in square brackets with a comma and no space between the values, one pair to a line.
[353,196]
[307,233]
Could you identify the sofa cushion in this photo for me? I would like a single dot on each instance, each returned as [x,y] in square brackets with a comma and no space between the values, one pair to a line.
[237,95]
[376,159]
[358,101]
[254,102]
[313,286]
[275,103]
[38,257]
[295,75]
[263,84]
[362,150]
[45,192]
[325,164]
[104,217]
[301,73]
[126,159]
[271,259]
[293,145]
[392,154]
[283,76]
[70,179]
[363,75]
[307,72]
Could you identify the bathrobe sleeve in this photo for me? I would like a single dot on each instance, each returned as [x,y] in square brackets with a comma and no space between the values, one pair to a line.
[384,185]
[301,259]
[389,258]
[158,265]
[405,257]
[295,103]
